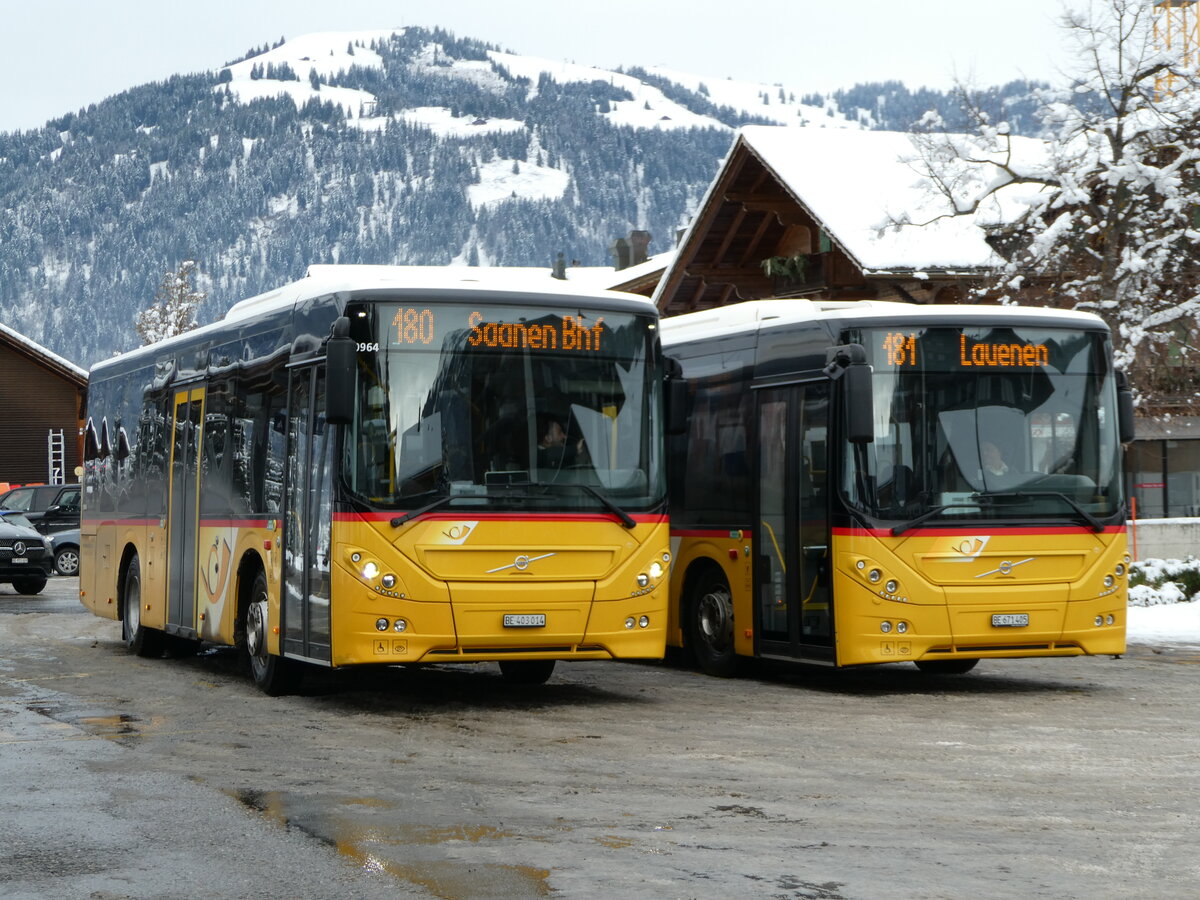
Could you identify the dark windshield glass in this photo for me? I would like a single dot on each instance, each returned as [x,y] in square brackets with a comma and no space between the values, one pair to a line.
[988,422]
[504,407]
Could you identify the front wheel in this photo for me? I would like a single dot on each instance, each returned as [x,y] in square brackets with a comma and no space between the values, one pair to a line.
[947,666]
[710,624]
[274,675]
[139,639]
[29,584]
[527,671]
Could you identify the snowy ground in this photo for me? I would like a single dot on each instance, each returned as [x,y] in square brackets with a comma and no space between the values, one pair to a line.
[1170,623]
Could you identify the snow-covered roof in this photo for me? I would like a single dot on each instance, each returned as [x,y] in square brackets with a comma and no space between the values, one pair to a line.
[39,352]
[750,315]
[331,279]
[858,184]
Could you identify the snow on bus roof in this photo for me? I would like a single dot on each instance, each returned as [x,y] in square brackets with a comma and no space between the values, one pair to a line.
[751,315]
[331,279]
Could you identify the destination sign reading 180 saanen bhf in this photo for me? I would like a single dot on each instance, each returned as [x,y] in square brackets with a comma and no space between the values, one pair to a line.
[418,326]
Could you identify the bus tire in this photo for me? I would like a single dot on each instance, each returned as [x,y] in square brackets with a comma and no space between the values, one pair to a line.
[273,675]
[526,671]
[946,666]
[139,639]
[710,623]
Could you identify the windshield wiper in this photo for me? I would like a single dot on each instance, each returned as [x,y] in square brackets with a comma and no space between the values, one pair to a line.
[626,519]
[929,514]
[1095,524]
[408,516]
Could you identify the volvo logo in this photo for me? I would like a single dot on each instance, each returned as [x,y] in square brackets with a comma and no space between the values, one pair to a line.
[521,563]
[1006,567]
[19,548]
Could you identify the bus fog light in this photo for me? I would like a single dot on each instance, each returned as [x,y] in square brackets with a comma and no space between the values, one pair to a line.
[389,581]
[1108,620]
[643,579]
[629,623]
[891,586]
[644,622]
[1099,620]
[382,624]
[400,625]
[901,627]
[656,570]
[369,571]
[874,576]
[885,627]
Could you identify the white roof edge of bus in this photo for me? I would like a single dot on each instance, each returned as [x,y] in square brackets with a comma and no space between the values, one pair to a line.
[751,315]
[330,279]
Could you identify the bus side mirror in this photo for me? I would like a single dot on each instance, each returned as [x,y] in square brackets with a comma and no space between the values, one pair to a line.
[677,396]
[848,364]
[1125,423]
[857,395]
[340,370]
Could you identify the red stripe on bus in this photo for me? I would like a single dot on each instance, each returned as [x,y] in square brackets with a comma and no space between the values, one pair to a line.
[990,529]
[204,523]
[643,518]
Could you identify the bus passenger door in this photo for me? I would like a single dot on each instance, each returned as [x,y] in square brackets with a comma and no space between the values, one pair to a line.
[183,523]
[792,571]
[307,517]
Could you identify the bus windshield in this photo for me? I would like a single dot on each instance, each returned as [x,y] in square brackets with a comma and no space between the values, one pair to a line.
[504,407]
[989,422]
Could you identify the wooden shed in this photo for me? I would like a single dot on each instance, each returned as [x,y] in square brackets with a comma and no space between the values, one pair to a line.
[41,409]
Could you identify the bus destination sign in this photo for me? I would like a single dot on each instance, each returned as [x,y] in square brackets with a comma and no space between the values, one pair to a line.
[418,327]
[901,350]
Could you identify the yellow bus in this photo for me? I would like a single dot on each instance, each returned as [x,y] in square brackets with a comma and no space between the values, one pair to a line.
[385,465]
[874,482]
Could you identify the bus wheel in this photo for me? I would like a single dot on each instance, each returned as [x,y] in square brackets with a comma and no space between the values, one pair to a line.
[139,639]
[710,625]
[527,671]
[274,675]
[947,666]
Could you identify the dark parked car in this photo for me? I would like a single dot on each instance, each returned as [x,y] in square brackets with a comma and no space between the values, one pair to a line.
[65,547]
[25,557]
[50,507]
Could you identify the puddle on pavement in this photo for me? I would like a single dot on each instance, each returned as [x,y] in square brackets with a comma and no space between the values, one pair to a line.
[114,726]
[381,848]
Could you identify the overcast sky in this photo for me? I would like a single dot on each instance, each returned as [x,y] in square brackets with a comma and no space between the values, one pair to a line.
[58,57]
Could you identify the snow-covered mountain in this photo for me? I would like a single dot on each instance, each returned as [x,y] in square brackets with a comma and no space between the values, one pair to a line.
[402,146]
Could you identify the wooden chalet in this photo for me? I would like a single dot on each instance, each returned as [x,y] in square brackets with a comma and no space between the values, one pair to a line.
[818,213]
[41,403]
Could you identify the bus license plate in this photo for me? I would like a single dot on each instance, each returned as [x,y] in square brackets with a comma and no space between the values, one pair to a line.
[525,620]
[1010,620]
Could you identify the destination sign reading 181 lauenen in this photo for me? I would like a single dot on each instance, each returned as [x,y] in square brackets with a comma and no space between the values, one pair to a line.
[418,326]
[901,350]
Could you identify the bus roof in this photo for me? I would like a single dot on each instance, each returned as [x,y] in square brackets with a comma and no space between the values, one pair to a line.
[323,280]
[751,315]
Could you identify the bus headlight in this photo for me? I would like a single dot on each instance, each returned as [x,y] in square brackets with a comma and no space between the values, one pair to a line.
[370,571]
[656,570]
[389,581]
[874,576]
[643,579]
[1109,581]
